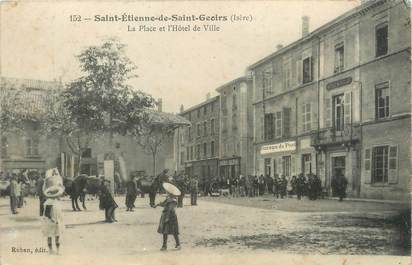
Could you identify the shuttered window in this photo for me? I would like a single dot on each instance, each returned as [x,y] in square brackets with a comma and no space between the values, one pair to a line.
[382,101]
[367,166]
[382,164]
[286,122]
[279,124]
[307,70]
[393,164]
[306,117]
[269,133]
[381,39]
[380,159]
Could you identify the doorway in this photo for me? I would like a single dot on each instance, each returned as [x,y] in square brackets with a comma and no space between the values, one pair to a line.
[338,166]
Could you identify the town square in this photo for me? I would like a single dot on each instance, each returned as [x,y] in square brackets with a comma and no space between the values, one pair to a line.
[187,133]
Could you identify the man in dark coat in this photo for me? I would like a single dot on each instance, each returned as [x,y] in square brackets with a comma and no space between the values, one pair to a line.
[276,186]
[39,191]
[194,189]
[107,202]
[13,193]
[131,194]
[283,186]
[339,184]
[300,186]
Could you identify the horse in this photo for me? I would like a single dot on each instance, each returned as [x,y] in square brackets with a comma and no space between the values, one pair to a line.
[152,187]
[78,187]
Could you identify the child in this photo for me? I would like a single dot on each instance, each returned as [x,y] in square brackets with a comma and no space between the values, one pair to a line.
[168,224]
[52,217]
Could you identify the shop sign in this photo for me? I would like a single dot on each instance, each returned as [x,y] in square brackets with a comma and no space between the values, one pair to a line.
[280,147]
[229,162]
[339,83]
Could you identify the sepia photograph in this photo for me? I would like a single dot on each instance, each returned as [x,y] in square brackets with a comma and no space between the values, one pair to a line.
[205,132]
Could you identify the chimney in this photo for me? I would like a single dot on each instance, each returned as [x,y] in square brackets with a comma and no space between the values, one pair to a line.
[182,108]
[207,96]
[159,105]
[279,46]
[305,26]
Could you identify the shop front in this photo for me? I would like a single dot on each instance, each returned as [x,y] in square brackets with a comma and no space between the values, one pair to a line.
[339,155]
[229,168]
[206,171]
[278,159]
[288,158]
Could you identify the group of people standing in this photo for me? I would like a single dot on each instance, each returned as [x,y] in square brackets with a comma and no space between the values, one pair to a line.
[18,184]
[282,186]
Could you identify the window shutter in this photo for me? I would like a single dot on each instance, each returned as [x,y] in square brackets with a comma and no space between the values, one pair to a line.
[393,165]
[303,117]
[279,166]
[299,70]
[348,108]
[368,166]
[311,68]
[262,133]
[328,112]
[286,122]
[273,125]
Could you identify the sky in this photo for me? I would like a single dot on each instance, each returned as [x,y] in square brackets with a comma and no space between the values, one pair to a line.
[38,40]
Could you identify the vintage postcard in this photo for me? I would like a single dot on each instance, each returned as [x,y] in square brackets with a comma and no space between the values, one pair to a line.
[205,132]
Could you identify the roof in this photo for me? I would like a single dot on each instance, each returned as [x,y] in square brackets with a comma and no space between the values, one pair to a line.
[200,105]
[346,16]
[29,84]
[164,118]
[234,81]
[30,96]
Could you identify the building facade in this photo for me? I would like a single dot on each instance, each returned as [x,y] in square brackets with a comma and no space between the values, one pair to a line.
[236,125]
[28,148]
[337,102]
[198,144]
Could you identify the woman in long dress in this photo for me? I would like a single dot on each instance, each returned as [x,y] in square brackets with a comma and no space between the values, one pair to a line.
[168,224]
[52,216]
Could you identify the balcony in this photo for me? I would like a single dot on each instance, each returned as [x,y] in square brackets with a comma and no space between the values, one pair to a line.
[348,136]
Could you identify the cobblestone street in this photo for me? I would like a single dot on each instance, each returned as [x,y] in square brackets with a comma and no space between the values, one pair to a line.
[216,226]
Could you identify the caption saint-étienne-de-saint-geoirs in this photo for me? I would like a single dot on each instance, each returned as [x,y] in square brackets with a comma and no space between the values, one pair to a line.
[130,17]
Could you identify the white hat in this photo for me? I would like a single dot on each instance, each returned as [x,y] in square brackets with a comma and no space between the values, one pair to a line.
[53,184]
[172,189]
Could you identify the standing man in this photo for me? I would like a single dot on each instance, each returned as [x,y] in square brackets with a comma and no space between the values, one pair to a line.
[194,189]
[13,194]
[276,186]
[340,186]
[39,191]
[131,194]
[107,202]
[283,186]
[300,186]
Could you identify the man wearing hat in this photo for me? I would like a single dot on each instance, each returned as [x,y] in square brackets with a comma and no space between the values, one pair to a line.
[107,202]
[39,191]
[168,224]
[13,193]
[194,189]
[131,193]
[52,223]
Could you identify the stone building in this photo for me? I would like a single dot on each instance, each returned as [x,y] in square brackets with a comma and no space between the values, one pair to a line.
[337,101]
[236,128]
[198,144]
[29,149]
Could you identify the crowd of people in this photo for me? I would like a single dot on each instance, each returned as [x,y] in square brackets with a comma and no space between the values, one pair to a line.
[280,186]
